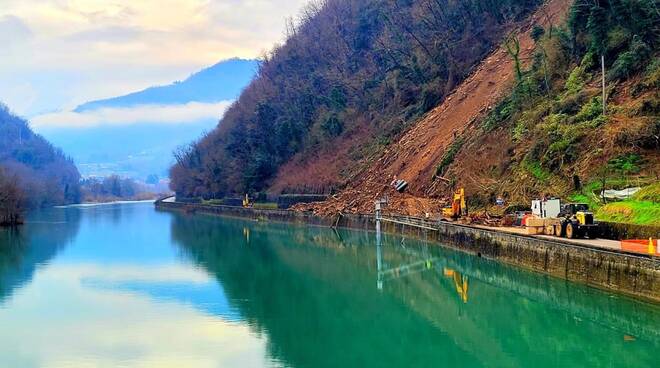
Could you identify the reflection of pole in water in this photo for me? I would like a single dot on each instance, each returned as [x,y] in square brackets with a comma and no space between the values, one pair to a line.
[379,248]
[246,234]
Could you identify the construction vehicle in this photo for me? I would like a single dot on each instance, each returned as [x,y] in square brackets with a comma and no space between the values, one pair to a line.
[458,207]
[575,221]
[246,201]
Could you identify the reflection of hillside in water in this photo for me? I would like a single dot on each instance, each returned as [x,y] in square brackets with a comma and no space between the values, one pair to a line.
[25,248]
[314,292]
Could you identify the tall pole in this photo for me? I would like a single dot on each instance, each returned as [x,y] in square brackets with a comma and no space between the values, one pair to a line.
[602,66]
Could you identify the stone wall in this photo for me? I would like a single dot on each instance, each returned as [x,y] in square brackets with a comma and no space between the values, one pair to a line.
[633,274]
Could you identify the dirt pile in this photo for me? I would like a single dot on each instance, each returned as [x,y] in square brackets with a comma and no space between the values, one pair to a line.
[415,156]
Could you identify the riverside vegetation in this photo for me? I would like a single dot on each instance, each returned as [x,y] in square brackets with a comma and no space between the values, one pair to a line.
[33,173]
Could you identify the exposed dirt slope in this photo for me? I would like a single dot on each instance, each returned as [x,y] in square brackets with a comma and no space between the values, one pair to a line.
[415,156]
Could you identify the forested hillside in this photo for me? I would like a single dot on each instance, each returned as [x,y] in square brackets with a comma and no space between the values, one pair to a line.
[41,172]
[352,75]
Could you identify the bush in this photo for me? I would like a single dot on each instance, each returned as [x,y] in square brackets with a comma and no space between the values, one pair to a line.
[332,126]
[448,157]
[575,81]
[590,110]
[626,164]
[519,130]
[630,61]
[536,170]
[571,103]
[501,113]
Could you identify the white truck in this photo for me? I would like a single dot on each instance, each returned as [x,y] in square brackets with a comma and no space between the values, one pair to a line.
[546,208]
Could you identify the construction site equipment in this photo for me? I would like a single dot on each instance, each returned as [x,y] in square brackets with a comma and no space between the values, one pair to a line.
[575,221]
[458,207]
[400,185]
[546,208]
[246,201]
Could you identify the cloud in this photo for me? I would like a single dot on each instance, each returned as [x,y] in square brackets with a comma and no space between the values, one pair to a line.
[104,48]
[155,114]
[13,30]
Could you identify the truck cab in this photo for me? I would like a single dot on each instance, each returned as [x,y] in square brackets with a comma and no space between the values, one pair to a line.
[576,221]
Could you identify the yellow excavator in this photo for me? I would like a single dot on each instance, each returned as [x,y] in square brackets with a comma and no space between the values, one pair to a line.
[458,207]
[246,201]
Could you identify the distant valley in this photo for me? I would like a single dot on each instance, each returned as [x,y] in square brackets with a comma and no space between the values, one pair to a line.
[134,135]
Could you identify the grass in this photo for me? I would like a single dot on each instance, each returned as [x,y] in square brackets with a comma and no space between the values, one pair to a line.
[649,193]
[536,170]
[632,212]
[265,206]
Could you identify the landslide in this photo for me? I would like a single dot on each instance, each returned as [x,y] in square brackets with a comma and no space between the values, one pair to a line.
[350,78]
[416,154]
[540,132]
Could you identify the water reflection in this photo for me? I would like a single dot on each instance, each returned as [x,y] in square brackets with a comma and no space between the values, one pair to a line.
[311,292]
[25,248]
[120,295]
[127,286]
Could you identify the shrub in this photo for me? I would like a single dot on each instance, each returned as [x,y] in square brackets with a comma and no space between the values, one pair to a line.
[448,157]
[626,164]
[519,130]
[536,170]
[571,103]
[630,61]
[590,110]
[575,81]
[501,113]
[332,126]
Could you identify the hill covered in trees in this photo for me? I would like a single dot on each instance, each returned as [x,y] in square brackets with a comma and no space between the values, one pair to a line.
[30,167]
[352,75]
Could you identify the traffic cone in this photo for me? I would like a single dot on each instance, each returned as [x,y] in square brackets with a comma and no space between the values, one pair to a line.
[651,246]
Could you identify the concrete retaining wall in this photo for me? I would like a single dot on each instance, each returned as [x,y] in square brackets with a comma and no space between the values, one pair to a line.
[633,274]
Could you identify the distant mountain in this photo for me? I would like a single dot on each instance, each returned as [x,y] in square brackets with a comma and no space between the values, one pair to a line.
[146,145]
[220,82]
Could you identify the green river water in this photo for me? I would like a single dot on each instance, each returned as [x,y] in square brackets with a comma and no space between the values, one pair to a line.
[128,286]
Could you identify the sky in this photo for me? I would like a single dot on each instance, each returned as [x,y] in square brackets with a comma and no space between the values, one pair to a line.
[58,54]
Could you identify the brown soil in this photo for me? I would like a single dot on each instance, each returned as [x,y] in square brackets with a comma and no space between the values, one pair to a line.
[415,156]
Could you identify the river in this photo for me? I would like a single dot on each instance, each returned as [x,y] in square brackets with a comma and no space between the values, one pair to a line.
[124,285]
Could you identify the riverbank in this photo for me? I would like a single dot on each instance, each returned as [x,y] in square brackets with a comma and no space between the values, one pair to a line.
[600,266]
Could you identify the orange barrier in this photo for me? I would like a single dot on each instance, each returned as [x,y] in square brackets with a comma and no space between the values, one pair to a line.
[646,246]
